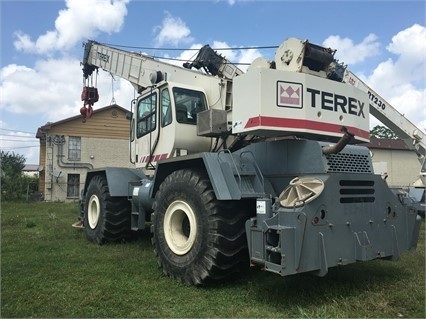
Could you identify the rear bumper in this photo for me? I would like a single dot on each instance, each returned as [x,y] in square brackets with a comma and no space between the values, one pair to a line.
[334,229]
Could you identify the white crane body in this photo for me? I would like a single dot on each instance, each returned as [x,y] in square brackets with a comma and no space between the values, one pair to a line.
[293,103]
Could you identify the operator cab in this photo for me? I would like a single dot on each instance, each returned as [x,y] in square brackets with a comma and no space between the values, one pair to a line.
[164,124]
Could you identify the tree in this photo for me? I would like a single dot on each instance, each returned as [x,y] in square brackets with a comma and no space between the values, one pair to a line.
[11,175]
[382,132]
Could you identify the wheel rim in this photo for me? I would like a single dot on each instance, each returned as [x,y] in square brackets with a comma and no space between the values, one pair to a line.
[93,211]
[180,227]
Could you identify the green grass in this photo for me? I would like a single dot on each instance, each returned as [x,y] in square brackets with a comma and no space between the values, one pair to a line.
[49,269]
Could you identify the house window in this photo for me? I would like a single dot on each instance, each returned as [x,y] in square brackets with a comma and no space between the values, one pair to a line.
[73,186]
[74,148]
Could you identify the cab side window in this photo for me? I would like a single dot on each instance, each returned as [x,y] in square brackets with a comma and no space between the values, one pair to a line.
[188,104]
[146,120]
[166,108]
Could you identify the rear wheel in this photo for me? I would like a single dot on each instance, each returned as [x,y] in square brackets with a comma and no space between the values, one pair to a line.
[196,237]
[106,218]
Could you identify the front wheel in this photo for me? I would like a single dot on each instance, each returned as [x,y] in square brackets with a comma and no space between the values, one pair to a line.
[105,218]
[196,237]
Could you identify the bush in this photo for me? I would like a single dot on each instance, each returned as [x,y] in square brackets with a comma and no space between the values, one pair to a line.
[14,184]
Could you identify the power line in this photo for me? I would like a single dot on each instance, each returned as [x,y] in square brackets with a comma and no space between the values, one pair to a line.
[8,135]
[183,60]
[5,129]
[17,138]
[189,49]
[7,140]
[13,148]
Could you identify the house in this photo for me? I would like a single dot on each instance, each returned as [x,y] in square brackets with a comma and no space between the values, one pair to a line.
[395,159]
[71,147]
[32,169]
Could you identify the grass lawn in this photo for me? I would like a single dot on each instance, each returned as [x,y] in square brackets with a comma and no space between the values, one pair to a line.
[49,269]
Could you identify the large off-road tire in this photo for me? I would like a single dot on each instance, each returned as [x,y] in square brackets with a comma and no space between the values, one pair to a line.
[197,238]
[106,218]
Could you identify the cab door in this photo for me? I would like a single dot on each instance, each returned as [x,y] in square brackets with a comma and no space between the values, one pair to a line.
[146,128]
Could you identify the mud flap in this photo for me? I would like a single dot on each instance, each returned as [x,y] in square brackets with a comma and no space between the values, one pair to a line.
[362,246]
[322,257]
[416,232]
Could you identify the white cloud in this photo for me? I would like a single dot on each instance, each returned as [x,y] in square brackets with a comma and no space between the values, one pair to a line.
[123,94]
[75,23]
[53,85]
[53,88]
[23,42]
[409,46]
[186,55]
[410,42]
[234,56]
[231,2]
[401,80]
[247,56]
[51,93]
[351,53]
[400,77]
[172,31]
[20,143]
[237,56]
[48,87]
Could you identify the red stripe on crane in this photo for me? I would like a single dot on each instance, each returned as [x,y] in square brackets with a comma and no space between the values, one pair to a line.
[280,122]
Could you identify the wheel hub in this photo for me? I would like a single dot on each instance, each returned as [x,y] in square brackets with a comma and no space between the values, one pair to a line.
[180,227]
[93,211]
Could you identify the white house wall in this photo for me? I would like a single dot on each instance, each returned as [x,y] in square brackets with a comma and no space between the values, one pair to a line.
[402,165]
[95,153]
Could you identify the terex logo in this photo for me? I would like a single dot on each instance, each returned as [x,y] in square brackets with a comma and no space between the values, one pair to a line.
[289,94]
[102,56]
[335,102]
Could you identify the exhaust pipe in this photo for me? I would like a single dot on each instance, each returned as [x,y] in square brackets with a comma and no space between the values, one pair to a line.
[344,140]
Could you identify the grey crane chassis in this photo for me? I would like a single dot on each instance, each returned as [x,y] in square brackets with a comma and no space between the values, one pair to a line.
[286,204]
[355,218]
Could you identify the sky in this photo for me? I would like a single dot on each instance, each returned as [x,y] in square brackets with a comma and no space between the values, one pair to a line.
[382,42]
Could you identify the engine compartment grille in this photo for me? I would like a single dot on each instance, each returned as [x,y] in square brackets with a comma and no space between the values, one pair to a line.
[348,163]
[357,191]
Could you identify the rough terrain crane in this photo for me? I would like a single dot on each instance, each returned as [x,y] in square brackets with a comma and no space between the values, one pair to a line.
[234,169]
